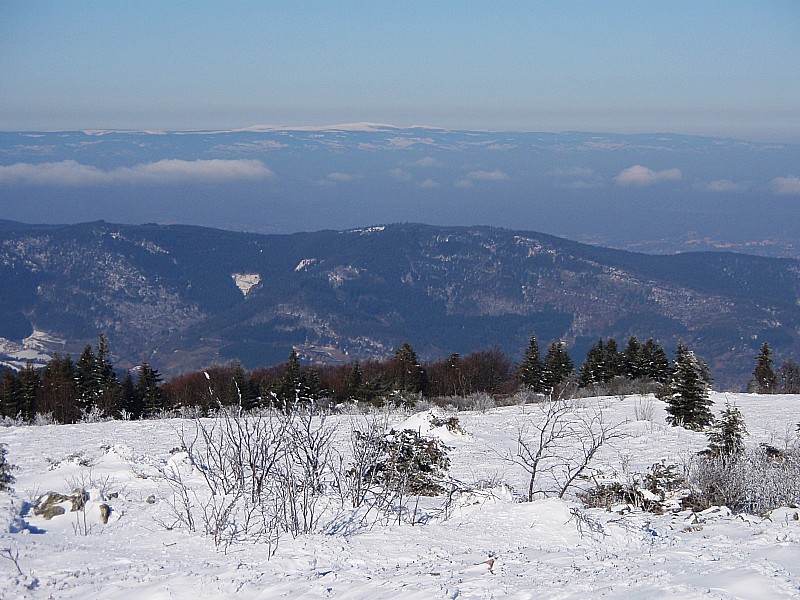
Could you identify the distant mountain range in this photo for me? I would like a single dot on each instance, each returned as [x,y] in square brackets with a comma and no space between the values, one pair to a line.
[655,192]
[184,297]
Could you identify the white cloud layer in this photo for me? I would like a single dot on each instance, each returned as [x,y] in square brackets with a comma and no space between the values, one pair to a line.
[641,176]
[470,178]
[787,186]
[73,173]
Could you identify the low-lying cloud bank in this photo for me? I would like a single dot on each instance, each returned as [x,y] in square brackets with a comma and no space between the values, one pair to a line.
[73,173]
[639,175]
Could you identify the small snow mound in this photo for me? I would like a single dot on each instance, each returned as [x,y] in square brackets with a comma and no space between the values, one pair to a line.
[429,424]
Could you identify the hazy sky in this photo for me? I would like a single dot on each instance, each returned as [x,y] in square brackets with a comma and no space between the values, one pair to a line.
[720,68]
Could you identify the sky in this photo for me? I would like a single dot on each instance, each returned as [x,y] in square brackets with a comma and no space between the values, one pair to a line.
[728,68]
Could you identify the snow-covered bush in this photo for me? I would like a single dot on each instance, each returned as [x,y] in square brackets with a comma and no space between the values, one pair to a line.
[756,481]
[6,477]
[410,463]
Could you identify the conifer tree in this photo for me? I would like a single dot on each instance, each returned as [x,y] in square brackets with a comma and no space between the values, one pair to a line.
[558,367]
[407,374]
[531,370]
[688,403]
[10,395]
[355,382]
[727,436]
[148,393]
[632,360]
[764,380]
[655,364]
[29,380]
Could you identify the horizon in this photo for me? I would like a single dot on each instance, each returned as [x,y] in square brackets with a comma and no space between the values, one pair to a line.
[715,69]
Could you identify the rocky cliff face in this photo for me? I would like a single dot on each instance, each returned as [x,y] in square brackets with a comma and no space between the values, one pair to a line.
[184,297]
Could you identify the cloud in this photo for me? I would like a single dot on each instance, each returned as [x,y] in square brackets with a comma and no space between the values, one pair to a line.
[400,174]
[786,186]
[338,177]
[641,176]
[427,162]
[725,185]
[470,178]
[73,173]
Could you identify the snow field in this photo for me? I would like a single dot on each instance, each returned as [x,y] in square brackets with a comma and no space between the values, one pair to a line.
[489,546]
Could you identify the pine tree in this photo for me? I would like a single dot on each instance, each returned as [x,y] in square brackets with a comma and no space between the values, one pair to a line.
[355,382]
[558,367]
[688,403]
[29,380]
[531,370]
[147,391]
[764,380]
[10,395]
[593,369]
[87,380]
[655,364]
[407,374]
[727,436]
[632,360]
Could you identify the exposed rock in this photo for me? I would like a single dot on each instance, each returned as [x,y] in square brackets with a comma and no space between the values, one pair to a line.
[49,504]
[105,512]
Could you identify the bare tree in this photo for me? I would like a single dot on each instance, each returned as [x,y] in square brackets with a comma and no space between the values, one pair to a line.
[557,443]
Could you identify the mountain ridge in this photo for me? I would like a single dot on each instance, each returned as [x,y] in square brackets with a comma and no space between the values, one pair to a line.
[184,296]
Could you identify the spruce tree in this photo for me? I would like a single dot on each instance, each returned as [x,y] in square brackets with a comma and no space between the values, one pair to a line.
[727,436]
[10,395]
[148,393]
[632,360]
[531,370]
[407,374]
[558,367]
[655,364]
[764,380]
[688,402]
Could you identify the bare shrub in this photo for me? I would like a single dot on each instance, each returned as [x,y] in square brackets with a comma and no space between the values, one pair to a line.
[755,481]
[556,443]
[644,408]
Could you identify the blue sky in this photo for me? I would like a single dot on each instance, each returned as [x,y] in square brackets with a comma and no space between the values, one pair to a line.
[718,68]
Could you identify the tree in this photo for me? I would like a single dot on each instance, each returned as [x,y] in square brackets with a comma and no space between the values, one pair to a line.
[603,363]
[789,377]
[654,362]
[147,391]
[10,395]
[688,403]
[632,360]
[56,392]
[764,380]
[407,374]
[558,367]
[531,371]
[726,439]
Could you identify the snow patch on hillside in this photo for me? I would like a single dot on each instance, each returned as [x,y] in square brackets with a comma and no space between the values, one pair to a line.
[246,281]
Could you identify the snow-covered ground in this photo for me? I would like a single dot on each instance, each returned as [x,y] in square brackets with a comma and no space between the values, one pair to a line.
[489,546]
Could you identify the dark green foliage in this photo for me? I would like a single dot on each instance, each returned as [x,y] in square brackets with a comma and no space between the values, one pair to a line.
[407,373]
[297,385]
[147,391]
[789,377]
[654,362]
[727,436]
[688,403]
[603,363]
[11,403]
[558,367]
[764,380]
[410,463]
[531,370]
[6,477]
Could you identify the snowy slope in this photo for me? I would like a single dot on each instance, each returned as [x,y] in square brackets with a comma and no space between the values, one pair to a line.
[489,546]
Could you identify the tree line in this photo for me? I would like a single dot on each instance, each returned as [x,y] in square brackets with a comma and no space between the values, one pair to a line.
[75,390]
